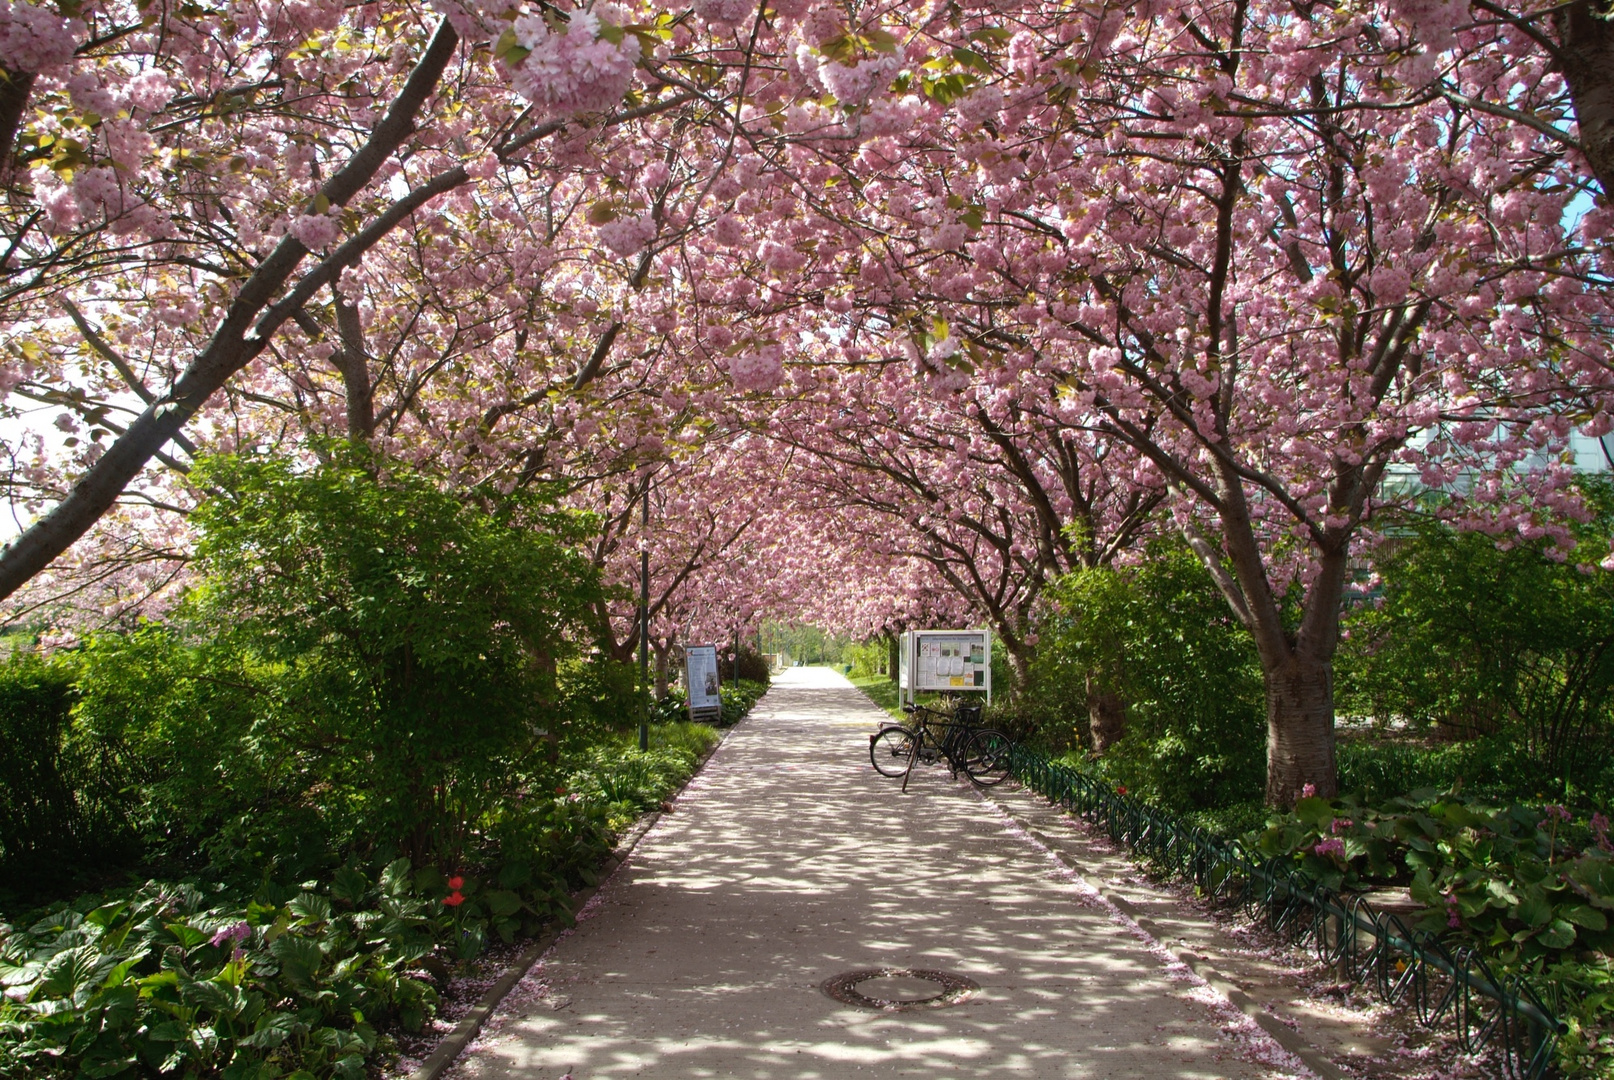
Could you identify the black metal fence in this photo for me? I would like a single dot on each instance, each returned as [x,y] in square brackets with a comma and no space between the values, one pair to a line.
[1488,1010]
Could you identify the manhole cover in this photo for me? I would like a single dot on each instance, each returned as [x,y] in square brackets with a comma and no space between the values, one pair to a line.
[899,989]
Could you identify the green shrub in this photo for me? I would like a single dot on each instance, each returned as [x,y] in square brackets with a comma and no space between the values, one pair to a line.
[1505,645]
[62,797]
[1159,636]
[392,635]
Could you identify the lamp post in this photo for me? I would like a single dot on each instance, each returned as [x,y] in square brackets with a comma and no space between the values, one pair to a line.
[644,622]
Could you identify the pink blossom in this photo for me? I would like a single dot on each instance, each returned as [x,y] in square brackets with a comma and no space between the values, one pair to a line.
[236,932]
[1332,847]
[33,39]
[574,69]
[316,231]
[761,371]
[628,235]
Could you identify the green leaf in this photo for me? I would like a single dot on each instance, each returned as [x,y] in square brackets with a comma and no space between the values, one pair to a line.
[502,902]
[310,908]
[1533,910]
[188,936]
[349,885]
[1558,935]
[73,974]
[882,41]
[395,878]
[1582,915]
[300,959]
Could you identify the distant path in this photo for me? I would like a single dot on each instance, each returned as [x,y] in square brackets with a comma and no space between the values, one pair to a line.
[789,860]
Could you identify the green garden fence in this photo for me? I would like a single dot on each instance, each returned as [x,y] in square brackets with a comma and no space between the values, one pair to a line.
[1489,1011]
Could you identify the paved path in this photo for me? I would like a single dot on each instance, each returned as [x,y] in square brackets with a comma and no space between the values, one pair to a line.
[789,860]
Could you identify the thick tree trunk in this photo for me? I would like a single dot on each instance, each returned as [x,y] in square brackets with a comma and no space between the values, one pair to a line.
[661,667]
[893,656]
[1106,716]
[1300,730]
[1586,57]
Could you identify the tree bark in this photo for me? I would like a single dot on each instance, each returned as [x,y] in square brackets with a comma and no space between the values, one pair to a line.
[15,89]
[661,651]
[1586,58]
[1300,730]
[893,657]
[1106,716]
[352,359]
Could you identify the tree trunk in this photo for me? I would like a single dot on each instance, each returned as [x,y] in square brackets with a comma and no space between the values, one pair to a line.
[893,655]
[15,89]
[352,360]
[1106,716]
[1586,58]
[661,667]
[1300,730]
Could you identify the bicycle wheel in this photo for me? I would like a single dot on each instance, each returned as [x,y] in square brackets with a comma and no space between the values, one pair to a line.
[891,750]
[986,757]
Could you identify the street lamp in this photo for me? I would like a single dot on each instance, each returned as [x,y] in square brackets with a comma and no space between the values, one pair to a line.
[644,622]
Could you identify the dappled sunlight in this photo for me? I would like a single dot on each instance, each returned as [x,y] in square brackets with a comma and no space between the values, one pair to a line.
[788,861]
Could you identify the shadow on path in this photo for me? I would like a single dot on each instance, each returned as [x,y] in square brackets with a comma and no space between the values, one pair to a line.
[789,860]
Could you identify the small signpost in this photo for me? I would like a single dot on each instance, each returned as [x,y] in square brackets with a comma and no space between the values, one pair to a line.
[700,679]
[944,661]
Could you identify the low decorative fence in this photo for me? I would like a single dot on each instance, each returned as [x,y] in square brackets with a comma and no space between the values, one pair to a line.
[1489,1010]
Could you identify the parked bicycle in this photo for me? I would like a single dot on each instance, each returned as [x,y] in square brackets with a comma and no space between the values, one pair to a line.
[981,754]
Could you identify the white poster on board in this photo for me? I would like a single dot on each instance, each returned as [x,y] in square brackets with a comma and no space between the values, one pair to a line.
[700,677]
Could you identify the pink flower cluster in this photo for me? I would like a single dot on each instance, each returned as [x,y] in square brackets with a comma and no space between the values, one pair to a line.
[574,70]
[1333,847]
[762,371]
[33,39]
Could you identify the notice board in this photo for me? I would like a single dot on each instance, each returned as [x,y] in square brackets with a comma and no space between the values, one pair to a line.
[946,661]
[700,679]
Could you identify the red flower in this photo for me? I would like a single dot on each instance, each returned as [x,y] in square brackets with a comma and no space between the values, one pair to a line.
[1120,789]
[454,899]
[456,883]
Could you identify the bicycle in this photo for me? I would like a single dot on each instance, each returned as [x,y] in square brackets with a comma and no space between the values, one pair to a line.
[982,754]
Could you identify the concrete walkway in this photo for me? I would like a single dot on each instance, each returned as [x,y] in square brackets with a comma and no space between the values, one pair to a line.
[788,861]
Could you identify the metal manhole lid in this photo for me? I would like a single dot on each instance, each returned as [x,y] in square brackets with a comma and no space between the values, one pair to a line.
[951,989]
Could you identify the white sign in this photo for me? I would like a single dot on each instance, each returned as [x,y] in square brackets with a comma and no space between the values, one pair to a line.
[946,661]
[700,677]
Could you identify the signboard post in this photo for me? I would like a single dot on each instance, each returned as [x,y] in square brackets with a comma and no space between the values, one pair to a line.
[700,680]
[944,661]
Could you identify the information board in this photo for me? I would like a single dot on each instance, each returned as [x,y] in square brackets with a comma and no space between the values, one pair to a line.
[946,661]
[700,679]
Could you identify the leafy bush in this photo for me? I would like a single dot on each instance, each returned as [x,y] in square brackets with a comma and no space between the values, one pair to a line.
[1519,882]
[182,978]
[61,797]
[1507,645]
[1159,637]
[737,699]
